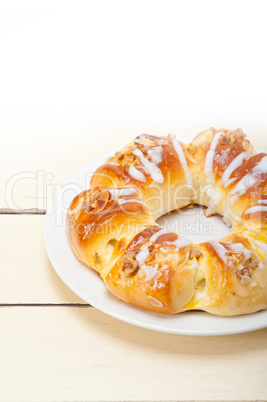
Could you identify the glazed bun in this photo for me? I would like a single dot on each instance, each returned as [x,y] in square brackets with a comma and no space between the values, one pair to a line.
[112,227]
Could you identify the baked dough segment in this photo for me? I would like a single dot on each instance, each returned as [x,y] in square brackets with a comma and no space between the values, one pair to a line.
[112,227]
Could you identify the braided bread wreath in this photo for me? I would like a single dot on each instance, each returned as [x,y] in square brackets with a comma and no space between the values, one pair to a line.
[112,227]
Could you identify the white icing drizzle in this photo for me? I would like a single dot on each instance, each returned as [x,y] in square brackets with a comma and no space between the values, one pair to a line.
[220,250]
[213,193]
[261,167]
[136,174]
[142,256]
[154,301]
[248,180]
[171,136]
[223,253]
[154,171]
[122,201]
[150,271]
[256,208]
[242,186]
[230,181]
[155,236]
[155,154]
[180,242]
[180,152]
[236,163]
[210,155]
[116,192]
[263,201]
[113,163]
[240,248]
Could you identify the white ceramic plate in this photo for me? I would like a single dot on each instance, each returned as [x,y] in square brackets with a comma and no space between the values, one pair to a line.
[87,284]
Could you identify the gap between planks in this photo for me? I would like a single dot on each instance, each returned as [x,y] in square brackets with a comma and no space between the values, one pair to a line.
[30,211]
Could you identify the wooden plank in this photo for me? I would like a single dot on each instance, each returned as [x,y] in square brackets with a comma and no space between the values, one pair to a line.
[44,156]
[39,157]
[32,170]
[81,354]
[26,275]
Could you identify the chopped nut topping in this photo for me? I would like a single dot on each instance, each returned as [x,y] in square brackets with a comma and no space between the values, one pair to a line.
[102,201]
[98,202]
[157,275]
[87,205]
[125,158]
[130,266]
[146,142]
[239,132]
[244,272]
[246,269]
[225,139]
[229,136]
[245,280]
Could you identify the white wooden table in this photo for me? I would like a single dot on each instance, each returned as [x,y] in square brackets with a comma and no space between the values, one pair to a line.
[55,347]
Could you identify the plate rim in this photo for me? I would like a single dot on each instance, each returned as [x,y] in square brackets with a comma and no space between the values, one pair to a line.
[122,317]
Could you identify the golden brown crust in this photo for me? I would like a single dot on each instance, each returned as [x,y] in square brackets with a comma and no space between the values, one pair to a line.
[112,227]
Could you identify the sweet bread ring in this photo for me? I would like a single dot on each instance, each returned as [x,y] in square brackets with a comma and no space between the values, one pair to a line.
[112,227]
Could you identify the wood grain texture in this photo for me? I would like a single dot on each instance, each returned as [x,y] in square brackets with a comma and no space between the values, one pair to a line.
[26,275]
[77,354]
